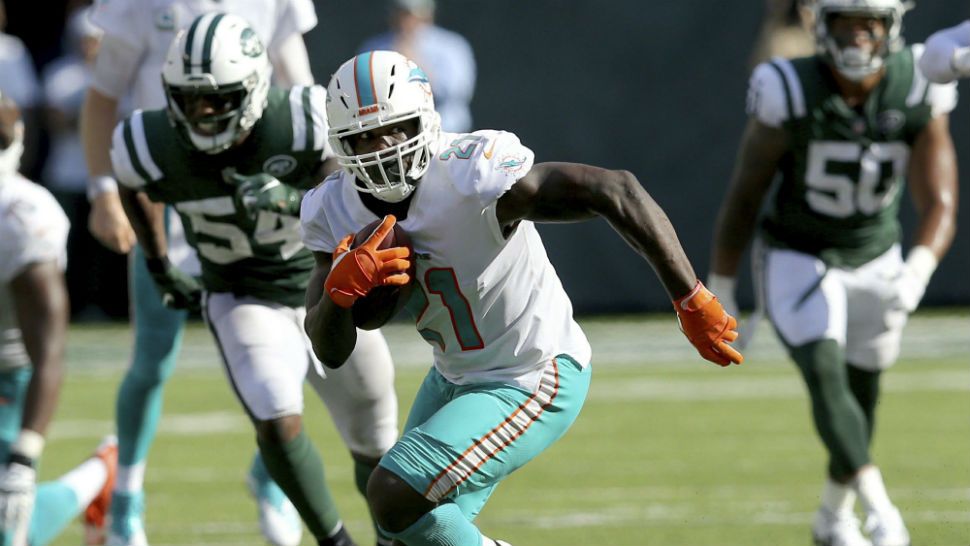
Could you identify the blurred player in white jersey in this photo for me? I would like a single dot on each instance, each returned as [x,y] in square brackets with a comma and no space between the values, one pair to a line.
[511,366]
[136,37]
[947,55]
[33,331]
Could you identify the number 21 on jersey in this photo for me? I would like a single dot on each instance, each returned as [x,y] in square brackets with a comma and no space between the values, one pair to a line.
[442,284]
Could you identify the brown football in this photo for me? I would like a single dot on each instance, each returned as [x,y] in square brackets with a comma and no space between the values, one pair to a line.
[382,303]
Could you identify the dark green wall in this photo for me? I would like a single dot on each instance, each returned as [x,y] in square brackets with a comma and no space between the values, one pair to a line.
[656,87]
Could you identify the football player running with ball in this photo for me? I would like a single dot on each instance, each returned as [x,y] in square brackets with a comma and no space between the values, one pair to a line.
[233,156]
[845,129]
[511,366]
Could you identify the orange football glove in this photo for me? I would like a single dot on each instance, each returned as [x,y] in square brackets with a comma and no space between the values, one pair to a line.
[707,326]
[355,272]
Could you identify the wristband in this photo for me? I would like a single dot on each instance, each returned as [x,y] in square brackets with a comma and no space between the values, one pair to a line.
[29,445]
[922,261]
[101,184]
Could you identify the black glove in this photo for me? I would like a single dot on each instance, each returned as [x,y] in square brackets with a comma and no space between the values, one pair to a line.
[179,290]
[261,191]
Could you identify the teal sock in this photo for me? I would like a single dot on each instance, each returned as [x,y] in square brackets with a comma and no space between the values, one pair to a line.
[443,526]
[298,470]
[54,508]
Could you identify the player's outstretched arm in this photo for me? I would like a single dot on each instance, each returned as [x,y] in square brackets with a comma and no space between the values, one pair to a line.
[563,192]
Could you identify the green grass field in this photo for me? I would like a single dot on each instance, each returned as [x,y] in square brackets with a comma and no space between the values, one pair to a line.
[669,450]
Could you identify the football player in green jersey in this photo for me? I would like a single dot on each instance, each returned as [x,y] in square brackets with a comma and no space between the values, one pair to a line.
[847,130]
[233,156]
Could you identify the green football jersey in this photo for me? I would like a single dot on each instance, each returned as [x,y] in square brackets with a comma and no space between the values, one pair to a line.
[843,175]
[261,256]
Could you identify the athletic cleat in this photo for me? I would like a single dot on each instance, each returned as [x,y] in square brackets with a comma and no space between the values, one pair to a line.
[837,529]
[502,543]
[887,528]
[127,527]
[278,519]
[96,513]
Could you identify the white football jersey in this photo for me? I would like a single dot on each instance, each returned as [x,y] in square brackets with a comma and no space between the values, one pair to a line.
[493,309]
[33,229]
[147,28]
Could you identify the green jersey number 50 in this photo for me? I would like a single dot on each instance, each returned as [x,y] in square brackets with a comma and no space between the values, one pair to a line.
[832,192]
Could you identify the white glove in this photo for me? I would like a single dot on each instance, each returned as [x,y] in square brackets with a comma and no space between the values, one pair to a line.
[17,485]
[909,283]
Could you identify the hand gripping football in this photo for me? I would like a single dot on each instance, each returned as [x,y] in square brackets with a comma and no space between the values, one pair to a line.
[382,303]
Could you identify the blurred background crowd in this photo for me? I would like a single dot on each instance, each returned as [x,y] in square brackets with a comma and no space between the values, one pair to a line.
[655,88]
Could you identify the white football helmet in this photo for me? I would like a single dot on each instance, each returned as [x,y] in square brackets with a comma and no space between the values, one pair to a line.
[372,90]
[216,77]
[853,62]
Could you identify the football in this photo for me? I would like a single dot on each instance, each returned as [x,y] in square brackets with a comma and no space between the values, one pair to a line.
[383,302]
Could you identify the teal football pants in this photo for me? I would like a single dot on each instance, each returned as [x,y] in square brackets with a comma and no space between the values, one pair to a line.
[461,441]
[158,337]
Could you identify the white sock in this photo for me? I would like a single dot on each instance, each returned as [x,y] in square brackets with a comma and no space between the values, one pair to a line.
[872,492]
[838,498]
[131,479]
[487,541]
[86,480]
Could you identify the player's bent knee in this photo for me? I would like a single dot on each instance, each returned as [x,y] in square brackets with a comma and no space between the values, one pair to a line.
[394,504]
[279,431]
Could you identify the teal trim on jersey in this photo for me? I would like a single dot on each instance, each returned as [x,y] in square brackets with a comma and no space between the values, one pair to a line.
[133,153]
[189,40]
[158,338]
[207,44]
[363,81]
[308,117]
[448,421]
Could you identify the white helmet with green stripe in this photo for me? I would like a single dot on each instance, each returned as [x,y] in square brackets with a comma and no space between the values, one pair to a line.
[376,89]
[216,77]
[853,62]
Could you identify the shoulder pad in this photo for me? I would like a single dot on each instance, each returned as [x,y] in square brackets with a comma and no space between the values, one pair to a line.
[131,158]
[941,98]
[485,163]
[775,93]
[34,228]
[308,114]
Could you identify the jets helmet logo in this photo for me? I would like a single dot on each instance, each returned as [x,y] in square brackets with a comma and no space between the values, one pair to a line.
[251,46]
